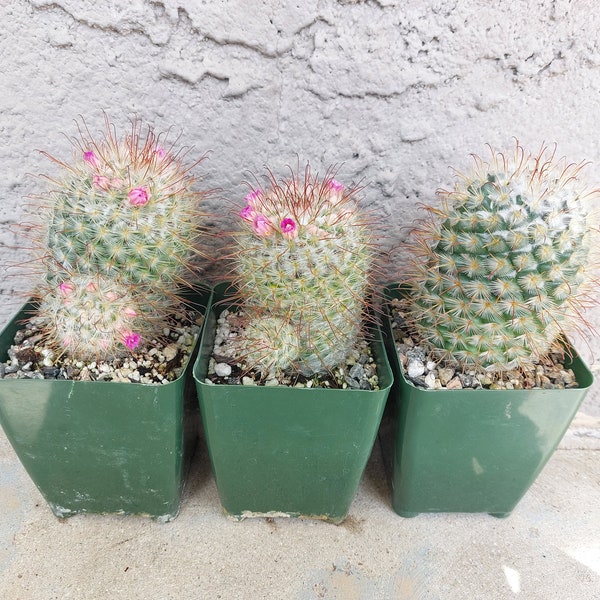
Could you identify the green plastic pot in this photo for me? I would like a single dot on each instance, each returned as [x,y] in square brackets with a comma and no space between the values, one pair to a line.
[102,446]
[280,451]
[471,450]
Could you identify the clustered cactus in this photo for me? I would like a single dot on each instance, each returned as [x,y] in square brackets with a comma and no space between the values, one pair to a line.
[499,273]
[119,230]
[303,269]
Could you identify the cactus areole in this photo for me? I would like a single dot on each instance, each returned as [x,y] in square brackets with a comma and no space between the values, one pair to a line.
[302,269]
[499,274]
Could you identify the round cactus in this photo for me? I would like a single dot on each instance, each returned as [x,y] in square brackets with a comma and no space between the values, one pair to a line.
[126,208]
[304,260]
[499,273]
[271,342]
[93,316]
[119,231]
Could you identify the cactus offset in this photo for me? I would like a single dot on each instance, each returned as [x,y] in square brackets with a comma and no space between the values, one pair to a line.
[93,317]
[303,269]
[499,274]
[119,231]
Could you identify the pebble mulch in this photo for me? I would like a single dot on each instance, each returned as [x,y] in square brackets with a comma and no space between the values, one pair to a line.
[426,370]
[156,362]
[359,372]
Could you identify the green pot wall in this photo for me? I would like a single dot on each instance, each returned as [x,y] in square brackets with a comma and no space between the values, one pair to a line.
[471,450]
[102,447]
[287,451]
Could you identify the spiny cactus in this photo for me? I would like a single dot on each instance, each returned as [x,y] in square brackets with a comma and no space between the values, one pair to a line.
[93,316]
[119,231]
[500,273]
[126,208]
[302,269]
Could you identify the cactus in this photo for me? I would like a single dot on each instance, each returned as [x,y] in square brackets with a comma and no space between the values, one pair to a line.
[119,231]
[302,270]
[499,274]
[93,317]
[124,208]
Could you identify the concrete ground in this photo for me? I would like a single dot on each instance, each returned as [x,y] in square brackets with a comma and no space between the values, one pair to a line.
[548,549]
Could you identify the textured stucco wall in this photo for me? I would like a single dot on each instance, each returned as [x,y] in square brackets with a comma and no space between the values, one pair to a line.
[394,91]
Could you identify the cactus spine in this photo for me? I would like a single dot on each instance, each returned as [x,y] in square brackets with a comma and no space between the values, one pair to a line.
[302,269]
[120,228]
[499,273]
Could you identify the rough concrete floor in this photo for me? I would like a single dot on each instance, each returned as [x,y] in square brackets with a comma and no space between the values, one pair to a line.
[548,549]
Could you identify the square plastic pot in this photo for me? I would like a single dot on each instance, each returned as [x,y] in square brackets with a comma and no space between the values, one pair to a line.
[280,451]
[102,446]
[471,450]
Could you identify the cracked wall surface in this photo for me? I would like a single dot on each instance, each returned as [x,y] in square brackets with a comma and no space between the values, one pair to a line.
[395,93]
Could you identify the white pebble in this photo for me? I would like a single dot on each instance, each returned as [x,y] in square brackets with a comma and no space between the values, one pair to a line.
[430,381]
[430,365]
[170,352]
[222,370]
[415,368]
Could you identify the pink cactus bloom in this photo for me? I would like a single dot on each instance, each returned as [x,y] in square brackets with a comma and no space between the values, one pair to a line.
[261,225]
[101,182]
[336,190]
[132,340]
[248,213]
[91,158]
[129,312]
[66,288]
[335,185]
[138,196]
[289,228]
[252,197]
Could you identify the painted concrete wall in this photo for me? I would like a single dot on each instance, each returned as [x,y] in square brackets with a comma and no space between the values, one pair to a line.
[395,92]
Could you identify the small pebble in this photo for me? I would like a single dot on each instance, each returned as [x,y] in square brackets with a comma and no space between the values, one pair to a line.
[170,352]
[357,372]
[222,369]
[415,368]
[430,381]
[454,384]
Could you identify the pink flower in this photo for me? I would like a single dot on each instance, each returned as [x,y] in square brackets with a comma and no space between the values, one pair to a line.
[252,197]
[138,196]
[336,190]
[261,225]
[66,288]
[248,213]
[131,340]
[335,186]
[102,182]
[129,312]
[289,229]
[91,158]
